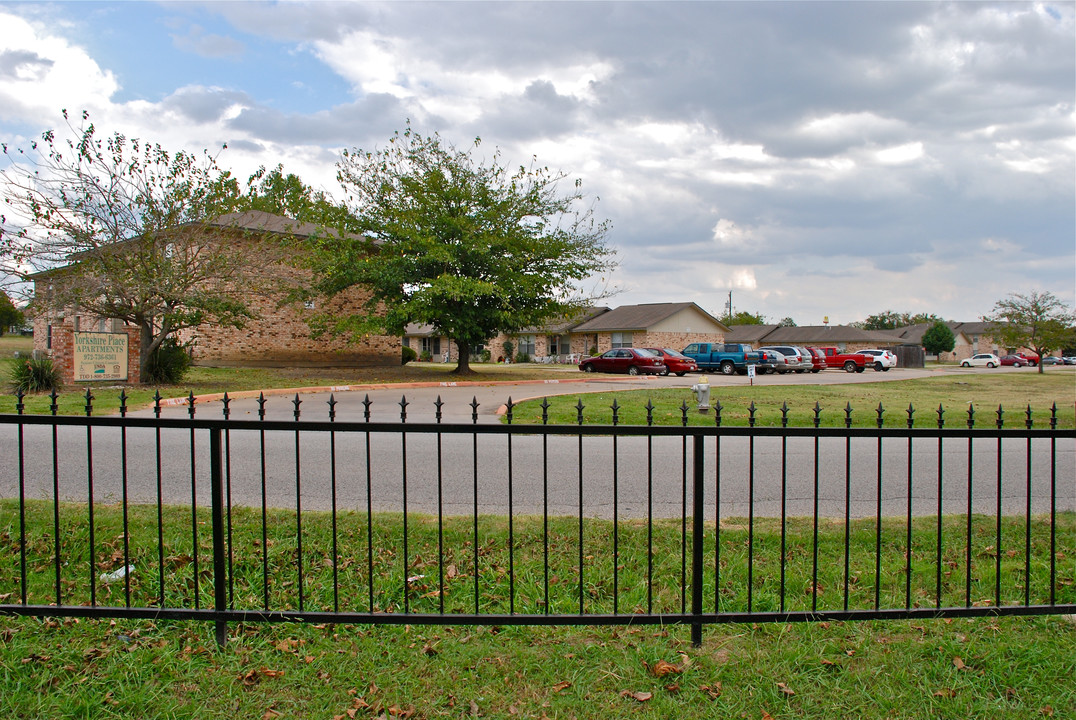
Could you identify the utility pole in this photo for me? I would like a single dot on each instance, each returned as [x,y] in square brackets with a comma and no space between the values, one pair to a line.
[728,306]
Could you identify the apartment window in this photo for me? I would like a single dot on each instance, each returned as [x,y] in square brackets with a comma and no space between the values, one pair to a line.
[622,340]
[526,345]
[559,345]
[431,345]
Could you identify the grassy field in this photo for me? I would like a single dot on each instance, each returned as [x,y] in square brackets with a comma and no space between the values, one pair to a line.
[209,380]
[959,668]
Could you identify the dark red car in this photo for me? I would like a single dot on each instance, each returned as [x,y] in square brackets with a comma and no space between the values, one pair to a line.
[633,361]
[675,362]
[1015,360]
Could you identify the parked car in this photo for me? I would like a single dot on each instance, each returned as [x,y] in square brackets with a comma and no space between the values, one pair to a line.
[1052,360]
[1069,359]
[982,360]
[633,361]
[1029,358]
[728,358]
[818,359]
[796,358]
[883,359]
[1014,360]
[675,362]
[849,362]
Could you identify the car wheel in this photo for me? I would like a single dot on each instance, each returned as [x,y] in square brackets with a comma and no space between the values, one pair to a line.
[878,367]
[860,369]
[990,365]
[850,367]
[664,372]
[966,364]
[588,368]
[681,374]
[1017,365]
[885,369]
[633,370]
[814,370]
[800,371]
[727,368]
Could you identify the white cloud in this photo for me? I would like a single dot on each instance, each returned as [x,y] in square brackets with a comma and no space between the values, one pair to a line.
[901,154]
[64,75]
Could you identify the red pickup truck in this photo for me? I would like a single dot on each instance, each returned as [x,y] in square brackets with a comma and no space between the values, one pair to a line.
[849,362]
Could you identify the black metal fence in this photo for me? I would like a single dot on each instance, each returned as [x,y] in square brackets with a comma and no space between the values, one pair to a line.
[228,519]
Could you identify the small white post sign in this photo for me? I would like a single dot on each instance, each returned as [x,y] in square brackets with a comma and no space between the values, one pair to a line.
[100,356]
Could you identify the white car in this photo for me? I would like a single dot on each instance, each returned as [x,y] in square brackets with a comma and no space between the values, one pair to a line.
[982,360]
[882,359]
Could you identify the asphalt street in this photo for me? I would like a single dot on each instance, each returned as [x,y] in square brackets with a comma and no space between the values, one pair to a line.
[462,472]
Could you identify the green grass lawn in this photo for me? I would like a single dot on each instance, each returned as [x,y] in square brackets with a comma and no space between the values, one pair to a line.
[956,668]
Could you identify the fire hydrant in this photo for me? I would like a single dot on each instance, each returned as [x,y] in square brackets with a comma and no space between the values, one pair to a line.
[702,393]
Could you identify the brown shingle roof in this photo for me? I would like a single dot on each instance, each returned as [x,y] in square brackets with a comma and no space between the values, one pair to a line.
[748,333]
[638,317]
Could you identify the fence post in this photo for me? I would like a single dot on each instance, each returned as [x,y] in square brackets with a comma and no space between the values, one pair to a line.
[696,540]
[220,583]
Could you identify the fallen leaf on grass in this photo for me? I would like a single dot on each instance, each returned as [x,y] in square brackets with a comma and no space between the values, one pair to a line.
[662,668]
[786,689]
[958,663]
[637,696]
[945,693]
[270,714]
[562,685]
[713,691]
[253,677]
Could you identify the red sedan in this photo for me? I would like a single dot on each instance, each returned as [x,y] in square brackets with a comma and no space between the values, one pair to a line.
[633,361]
[675,362]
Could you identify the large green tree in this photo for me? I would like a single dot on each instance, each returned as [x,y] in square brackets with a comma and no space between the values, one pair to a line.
[468,246]
[123,228]
[9,314]
[743,318]
[890,320]
[938,338]
[1038,320]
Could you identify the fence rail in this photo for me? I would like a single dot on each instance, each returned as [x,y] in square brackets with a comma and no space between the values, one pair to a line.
[227,520]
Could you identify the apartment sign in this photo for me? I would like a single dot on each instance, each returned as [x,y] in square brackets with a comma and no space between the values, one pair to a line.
[100,356]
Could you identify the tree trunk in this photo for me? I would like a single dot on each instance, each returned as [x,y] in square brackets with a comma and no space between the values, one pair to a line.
[145,348]
[463,366]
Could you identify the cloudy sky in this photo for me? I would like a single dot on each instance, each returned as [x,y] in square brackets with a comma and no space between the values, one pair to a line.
[815,159]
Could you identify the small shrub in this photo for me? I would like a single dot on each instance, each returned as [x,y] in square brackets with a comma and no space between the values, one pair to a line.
[486,356]
[509,350]
[409,354]
[523,358]
[425,356]
[32,375]
[168,363]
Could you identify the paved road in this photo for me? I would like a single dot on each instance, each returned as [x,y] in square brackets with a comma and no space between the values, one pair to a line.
[648,474]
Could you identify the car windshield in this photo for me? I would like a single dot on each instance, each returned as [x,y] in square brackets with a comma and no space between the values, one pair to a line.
[674,353]
[645,353]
